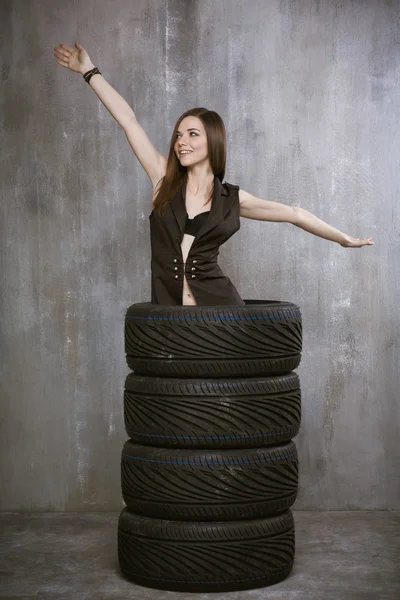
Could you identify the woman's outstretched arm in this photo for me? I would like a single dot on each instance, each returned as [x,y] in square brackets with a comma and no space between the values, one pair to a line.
[79,61]
[153,162]
[313,224]
[252,207]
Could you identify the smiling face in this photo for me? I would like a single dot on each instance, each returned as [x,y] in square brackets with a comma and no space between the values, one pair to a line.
[191,136]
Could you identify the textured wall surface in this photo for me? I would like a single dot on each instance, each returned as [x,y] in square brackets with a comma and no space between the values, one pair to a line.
[309,93]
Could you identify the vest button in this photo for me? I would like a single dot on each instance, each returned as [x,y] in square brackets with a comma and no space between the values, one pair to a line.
[193,276]
[176,276]
[193,268]
[175,260]
[194,261]
[175,268]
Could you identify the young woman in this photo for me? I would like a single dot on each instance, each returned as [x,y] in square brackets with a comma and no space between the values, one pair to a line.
[193,211]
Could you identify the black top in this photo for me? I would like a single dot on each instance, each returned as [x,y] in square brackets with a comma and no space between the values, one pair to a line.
[195,224]
[209,285]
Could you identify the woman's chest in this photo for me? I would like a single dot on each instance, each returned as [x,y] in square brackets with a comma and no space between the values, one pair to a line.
[186,244]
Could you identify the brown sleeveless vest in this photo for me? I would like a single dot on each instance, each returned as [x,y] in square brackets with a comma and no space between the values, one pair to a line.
[209,285]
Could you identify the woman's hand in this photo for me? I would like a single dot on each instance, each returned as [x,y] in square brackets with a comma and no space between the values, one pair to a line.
[73,60]
[350,242]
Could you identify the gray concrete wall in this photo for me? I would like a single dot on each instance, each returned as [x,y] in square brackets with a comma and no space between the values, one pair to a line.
[309,92]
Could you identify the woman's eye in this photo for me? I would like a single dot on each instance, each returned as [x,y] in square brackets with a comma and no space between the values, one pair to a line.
[178,134]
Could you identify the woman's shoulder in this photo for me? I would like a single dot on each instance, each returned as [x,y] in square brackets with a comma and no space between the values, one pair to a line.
[234,190]
[230,188]
[231,185]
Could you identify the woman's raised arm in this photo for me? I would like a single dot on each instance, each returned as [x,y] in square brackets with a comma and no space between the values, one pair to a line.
[153,162]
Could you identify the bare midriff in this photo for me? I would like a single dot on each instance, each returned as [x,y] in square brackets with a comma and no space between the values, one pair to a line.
[187,295]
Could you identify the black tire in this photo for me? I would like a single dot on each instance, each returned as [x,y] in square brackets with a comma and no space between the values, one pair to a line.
[205,557]
[212,413]
[205,485]
[264,337]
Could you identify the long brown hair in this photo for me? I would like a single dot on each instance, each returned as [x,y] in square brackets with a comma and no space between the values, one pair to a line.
[176,173]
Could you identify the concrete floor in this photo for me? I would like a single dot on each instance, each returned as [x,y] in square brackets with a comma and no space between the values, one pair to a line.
[339,556]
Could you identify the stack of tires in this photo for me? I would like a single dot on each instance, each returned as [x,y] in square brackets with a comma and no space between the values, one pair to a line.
[210,470]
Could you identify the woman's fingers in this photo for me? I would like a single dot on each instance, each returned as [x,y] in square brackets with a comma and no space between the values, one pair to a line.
[357,243]
[351,242]
[68,49]
[69,57]
[62,54]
